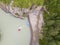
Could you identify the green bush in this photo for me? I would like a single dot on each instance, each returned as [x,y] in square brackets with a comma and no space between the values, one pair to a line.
[5,1]
[52,23]
[24,3]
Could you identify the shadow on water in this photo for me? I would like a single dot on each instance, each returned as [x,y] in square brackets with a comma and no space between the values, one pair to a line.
[0,35]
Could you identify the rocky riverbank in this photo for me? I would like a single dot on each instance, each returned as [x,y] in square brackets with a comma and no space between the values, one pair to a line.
[15,11]
[3,7]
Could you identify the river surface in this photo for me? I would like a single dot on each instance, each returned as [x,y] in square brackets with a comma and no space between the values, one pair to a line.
[14,31]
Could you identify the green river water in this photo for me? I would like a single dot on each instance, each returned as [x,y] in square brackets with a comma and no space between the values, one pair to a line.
[10,35]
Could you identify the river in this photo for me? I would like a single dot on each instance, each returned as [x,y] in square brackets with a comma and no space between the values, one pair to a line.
[14,31]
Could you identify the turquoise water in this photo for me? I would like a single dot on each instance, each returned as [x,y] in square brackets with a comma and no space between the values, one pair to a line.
[14,31]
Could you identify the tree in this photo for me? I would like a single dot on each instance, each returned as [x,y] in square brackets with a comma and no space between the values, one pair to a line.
[52,23]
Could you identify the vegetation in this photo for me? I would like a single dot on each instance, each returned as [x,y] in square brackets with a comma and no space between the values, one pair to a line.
[51,34]
[5,1]
[52,23]
[24,3]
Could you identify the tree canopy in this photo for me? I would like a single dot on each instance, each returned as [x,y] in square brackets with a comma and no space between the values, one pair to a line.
[51,34]
[24,3]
